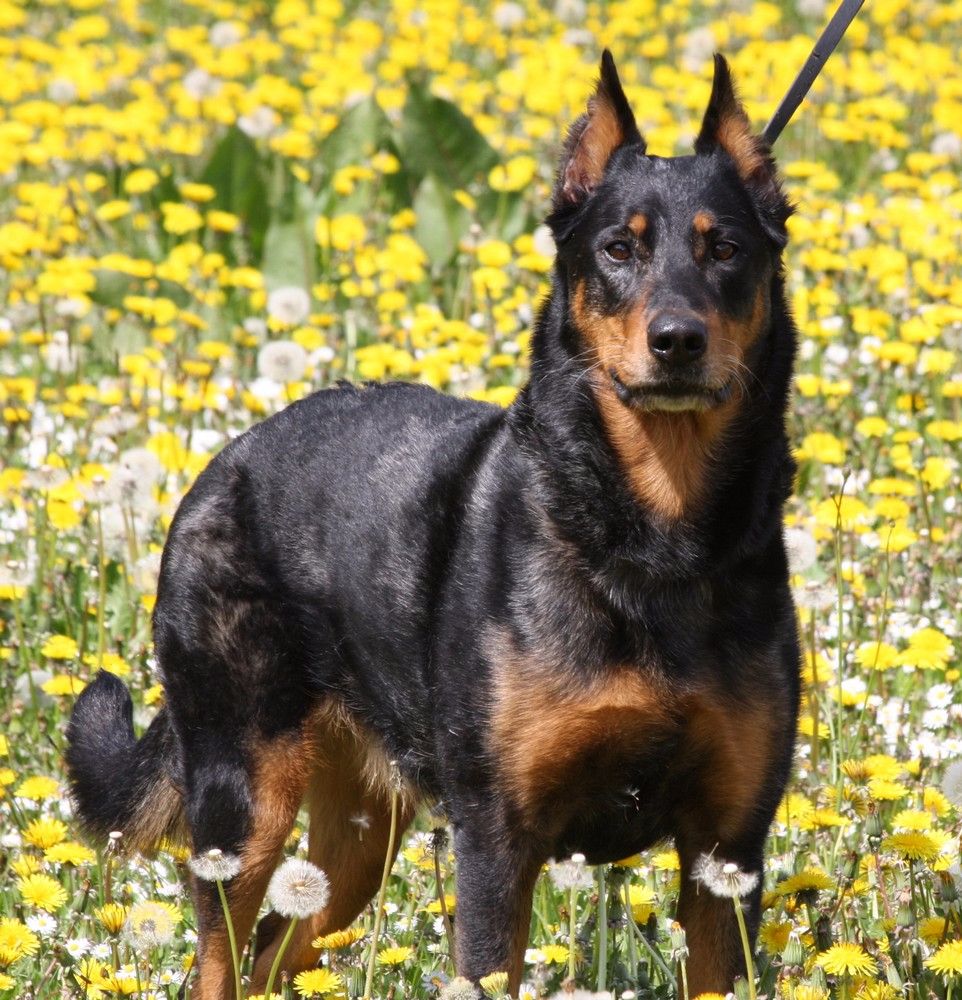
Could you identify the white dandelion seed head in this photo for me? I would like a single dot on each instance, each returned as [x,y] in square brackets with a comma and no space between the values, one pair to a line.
[298,889]
[508,15]
[723,878]
[290,304]
[801,549]
[199,84]
[699,45]
[260,123]
[543,241]
[459,988]
[282,361]
[61,90]
[224,34]
[811,8]
[947,144]
[149,925]
[952,782]
[571,874]
[215,865]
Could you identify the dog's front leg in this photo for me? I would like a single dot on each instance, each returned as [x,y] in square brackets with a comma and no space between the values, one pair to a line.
[496,873]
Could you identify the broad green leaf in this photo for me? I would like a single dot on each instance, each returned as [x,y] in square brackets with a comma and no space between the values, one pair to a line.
[236,173]
[436,137]
[441,221]
[362,130]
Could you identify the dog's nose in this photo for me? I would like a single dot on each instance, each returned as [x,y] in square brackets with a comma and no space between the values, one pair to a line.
[677,340]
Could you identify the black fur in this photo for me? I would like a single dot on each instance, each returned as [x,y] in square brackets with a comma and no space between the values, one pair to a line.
[365,544]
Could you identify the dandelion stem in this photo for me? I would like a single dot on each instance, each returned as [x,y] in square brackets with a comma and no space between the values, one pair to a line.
[572,906]
[232,938]
[279,956]
[442,902]
[746,946]
[602,929]
[388,863]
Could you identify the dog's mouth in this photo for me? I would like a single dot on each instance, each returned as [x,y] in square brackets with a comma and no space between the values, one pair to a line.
[674,397]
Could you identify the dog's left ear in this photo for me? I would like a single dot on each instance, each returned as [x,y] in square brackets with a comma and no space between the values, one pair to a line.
[726,126]
[608,124]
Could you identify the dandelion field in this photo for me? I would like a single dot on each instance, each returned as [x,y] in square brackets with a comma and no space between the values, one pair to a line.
[210,209]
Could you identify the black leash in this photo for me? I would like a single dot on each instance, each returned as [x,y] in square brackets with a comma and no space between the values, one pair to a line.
[824,47]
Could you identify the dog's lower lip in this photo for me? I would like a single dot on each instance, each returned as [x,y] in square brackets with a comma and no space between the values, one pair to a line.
[639,394]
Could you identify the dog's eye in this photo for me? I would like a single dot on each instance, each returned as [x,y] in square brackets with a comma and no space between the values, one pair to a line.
[619,251]
[724,250]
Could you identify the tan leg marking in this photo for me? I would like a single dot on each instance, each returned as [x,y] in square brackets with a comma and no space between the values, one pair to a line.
[350,819]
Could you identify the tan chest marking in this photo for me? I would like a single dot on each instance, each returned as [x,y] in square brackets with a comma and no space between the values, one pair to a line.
[544,726]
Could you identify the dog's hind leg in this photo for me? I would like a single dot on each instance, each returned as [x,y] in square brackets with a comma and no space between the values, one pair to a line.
[349,802]
[270,789]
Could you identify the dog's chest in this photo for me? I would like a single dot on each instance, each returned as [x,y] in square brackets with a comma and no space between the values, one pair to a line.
[609,765]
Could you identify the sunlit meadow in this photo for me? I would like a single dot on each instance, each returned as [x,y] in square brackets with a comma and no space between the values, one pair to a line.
[209,209]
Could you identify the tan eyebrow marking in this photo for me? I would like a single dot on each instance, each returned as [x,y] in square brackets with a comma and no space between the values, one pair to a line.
[704,222]
[638,223]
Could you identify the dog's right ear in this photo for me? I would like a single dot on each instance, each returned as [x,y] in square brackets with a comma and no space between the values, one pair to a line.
[608,124]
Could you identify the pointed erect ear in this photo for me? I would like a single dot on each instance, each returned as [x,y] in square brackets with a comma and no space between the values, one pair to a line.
[592,139]
[726,125]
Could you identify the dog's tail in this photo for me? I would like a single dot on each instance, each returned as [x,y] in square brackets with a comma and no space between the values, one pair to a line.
[119,782]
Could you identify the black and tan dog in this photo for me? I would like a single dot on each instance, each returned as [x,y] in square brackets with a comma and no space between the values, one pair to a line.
[569,621]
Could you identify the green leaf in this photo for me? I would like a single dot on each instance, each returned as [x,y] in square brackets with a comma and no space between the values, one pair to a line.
[441,221]
[236,173]
[363,129]
[436,137]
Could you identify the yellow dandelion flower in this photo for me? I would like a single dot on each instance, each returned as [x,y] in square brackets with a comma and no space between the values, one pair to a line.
[774,936]
[846,959]
[807,880]
[947,961]
[666,861]
[317,982]
[112,916]
[38,789]
[394,955]
[495,984]
[63,684]
[42,891]
[16,940]
[60,647]
[878,991]
[884,790]
[70,853]
[641,899]
[554,954]
[912,819]
[26,864]
[339,939]
[913,846]
[45,832]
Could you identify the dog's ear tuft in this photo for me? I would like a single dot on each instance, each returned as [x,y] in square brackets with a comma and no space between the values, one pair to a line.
[726,126]
[608,124]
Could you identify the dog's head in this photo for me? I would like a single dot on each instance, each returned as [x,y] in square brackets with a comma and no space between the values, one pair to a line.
[668,261]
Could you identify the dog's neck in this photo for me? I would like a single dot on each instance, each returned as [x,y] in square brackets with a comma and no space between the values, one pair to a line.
[672,495]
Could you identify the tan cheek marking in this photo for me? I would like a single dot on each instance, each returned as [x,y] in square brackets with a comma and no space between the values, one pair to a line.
[638,223]
[545,726]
